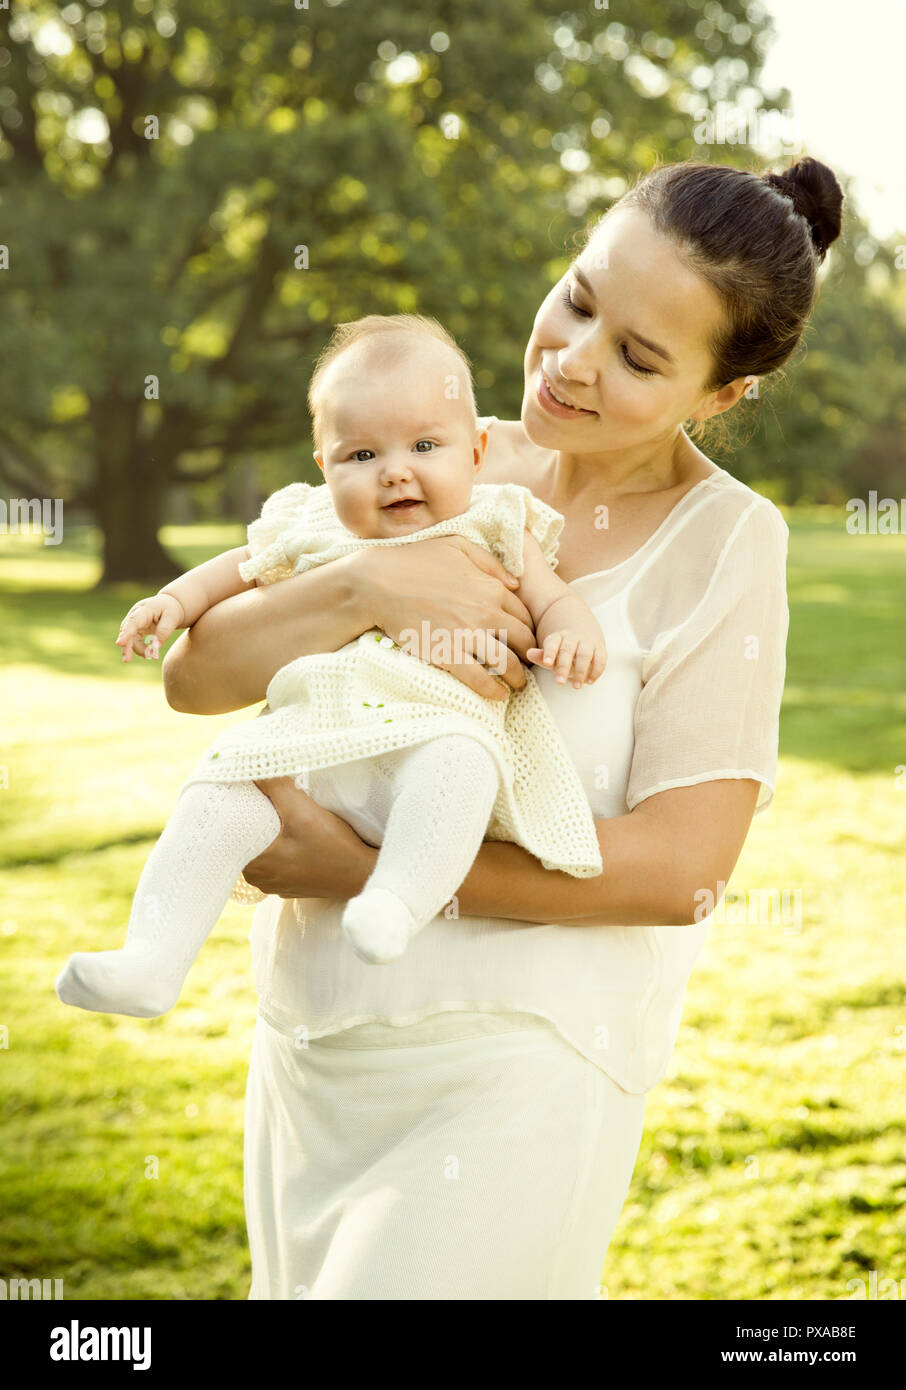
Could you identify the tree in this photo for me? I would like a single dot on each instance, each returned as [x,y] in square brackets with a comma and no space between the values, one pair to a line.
[192,196]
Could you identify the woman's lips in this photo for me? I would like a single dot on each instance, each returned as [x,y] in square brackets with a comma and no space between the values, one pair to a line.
[550,403]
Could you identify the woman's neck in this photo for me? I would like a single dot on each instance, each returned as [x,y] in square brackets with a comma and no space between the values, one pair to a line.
[654,466]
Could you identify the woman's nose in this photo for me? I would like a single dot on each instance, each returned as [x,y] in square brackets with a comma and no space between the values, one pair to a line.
[575,364]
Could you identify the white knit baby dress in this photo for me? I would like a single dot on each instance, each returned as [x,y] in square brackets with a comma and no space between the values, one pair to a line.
[372,696]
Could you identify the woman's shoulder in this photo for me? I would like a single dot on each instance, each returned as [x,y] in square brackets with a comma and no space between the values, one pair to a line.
[511,457]
[736,507]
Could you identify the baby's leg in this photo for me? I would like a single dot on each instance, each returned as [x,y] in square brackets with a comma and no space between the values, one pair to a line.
[215,830]
[444,795]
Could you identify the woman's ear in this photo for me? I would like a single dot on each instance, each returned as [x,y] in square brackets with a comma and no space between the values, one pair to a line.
[724,399]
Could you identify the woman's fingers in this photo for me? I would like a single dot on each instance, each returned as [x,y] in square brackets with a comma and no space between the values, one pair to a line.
[451,603]
[484,682]
[316,854]
[486,561]
[517,624]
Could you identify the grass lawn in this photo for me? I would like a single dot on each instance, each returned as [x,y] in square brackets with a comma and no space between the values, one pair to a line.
[774,1158]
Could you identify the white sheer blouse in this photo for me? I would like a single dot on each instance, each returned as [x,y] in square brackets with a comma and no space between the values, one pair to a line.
[696,624]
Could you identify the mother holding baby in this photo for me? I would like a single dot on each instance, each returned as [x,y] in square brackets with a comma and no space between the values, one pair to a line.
[463,1123]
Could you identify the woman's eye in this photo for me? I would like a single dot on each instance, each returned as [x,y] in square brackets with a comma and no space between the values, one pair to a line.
[363,455]
[570,304]
[633,365]
[428,443]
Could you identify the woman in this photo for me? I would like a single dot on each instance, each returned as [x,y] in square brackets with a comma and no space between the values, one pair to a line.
[464,1123]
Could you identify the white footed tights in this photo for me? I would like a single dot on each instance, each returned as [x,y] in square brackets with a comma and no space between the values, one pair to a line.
[443,795]
[215,830]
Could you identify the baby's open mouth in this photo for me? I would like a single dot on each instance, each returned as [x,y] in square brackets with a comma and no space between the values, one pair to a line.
[402,505]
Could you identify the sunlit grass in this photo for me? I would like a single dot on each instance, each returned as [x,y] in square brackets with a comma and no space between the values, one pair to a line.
[774,1158]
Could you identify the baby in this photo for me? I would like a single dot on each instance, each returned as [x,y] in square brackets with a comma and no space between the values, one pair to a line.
[411,756]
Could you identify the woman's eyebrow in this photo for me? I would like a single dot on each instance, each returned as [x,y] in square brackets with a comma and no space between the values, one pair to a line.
[652,347]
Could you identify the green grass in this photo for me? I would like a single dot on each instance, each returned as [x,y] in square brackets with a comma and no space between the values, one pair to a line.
[774,1158]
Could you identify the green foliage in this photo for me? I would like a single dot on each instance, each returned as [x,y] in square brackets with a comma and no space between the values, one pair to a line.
[439,157]
[772,1161]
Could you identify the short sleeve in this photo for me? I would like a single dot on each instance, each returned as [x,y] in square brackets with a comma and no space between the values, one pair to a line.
[267,560]
[512,509]
[545,525]
[710,703]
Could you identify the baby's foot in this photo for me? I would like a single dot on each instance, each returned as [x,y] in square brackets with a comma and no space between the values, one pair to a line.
[115,982]
[378,926]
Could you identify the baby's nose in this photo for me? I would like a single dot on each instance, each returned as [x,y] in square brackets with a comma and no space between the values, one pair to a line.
[396,468]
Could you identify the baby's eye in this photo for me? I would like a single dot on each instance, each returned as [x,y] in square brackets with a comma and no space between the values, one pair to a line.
[363,455]
[428,443]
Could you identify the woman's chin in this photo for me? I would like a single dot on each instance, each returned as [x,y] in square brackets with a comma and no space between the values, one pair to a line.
[547,432]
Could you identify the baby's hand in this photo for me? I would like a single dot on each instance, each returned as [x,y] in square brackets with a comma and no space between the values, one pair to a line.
[571,641]
[582,655]
[148,623]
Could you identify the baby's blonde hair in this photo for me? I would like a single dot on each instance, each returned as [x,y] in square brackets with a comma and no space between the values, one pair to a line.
[399,326]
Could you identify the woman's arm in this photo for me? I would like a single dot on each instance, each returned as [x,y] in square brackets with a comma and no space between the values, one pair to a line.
[658,861]
[226,660]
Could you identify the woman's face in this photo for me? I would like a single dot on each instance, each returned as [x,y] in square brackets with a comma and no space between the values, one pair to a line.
[622,339]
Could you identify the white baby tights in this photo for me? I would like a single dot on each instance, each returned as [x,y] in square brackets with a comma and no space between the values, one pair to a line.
[443,795]
[215,830]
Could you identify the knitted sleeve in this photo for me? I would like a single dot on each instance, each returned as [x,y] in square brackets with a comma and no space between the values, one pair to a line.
[267,557]
[519,509]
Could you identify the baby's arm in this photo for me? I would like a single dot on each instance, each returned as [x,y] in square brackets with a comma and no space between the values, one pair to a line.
[182,602]
[568,632]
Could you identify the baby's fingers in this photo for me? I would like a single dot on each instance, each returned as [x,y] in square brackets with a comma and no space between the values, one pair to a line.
[582,663]
[565,657]
[598,663]
[550,649]
[143,645]
[164,629]
[126,638]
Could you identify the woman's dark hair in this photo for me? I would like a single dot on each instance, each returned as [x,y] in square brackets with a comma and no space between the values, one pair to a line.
[758,239]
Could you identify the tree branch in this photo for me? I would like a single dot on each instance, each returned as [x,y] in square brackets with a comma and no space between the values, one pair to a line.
[22,468]
[260,290]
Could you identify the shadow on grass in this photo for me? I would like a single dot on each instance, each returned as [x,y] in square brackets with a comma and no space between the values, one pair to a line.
[845,700]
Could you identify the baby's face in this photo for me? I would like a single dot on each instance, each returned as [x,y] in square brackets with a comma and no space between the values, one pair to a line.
[397,453]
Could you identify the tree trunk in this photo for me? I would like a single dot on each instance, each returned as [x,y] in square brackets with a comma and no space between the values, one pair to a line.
[130,496]
[131,551]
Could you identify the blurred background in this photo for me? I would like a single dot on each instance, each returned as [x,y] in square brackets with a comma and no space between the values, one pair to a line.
[191,194]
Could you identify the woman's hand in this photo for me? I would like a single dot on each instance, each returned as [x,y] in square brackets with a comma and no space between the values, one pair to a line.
[458,599]
[316,854]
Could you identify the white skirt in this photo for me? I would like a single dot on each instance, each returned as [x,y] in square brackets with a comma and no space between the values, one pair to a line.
[468,1156]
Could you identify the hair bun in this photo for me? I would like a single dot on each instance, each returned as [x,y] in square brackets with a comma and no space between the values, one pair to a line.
[815,194]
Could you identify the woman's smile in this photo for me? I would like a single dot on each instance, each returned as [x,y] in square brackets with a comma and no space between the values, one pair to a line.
[554,403]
